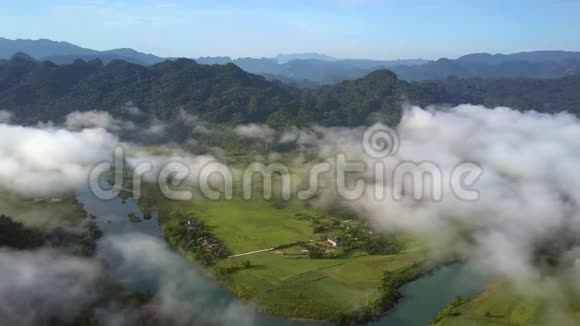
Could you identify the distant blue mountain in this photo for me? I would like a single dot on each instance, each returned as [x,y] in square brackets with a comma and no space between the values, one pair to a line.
[40,48]
[534,57]
[312,69]
[65,53]
[283,58]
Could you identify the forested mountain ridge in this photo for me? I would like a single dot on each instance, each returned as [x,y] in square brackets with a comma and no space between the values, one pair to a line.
[216,93]
[542,95]
[464,68]
[532,56]
[36,91]
[310,70]
[307,70]
[303,72]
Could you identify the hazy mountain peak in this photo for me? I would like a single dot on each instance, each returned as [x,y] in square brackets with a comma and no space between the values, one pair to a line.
[381,74]
[21,56]
[283,58]
[96,62]
[145,58]
[532,56]
[63,52]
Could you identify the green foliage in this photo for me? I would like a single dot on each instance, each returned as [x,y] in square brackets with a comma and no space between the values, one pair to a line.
[383,245]
[314,252]
[542,95]
[510,68]
[225,271]
[225,138]
[191,235]
[450,311]
[88,240]
[361,237]
[134,218]
[225,94]
[216,93]
[289,245]
[15,235]
[389,290]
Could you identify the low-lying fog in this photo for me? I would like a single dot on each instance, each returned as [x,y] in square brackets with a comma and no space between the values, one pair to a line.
[523,224]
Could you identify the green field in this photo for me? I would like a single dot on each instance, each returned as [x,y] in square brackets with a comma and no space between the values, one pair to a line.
[315,288]
[250,225]
[501,304]
[287,282]
[43,214]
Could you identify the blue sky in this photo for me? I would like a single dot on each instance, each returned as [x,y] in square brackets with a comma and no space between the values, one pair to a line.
[379,29]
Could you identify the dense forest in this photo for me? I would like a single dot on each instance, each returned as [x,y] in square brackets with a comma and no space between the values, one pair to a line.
[45,91]
[15,235]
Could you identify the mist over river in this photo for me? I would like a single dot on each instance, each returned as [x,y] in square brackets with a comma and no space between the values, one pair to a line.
[422,298]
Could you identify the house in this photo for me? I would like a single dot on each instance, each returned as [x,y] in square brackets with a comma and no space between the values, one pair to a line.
[332,243]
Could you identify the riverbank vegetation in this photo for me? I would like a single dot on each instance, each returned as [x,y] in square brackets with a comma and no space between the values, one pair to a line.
[88,239]
[270,254]
[388,295]
[57,223]
[14,235]
[43,213]
[133,218]
[191,235]
[503,304]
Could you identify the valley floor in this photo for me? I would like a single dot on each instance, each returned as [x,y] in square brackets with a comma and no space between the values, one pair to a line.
[501,304]
[286,281]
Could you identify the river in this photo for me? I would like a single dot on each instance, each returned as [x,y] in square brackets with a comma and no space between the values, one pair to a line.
[422,298]
[425,297]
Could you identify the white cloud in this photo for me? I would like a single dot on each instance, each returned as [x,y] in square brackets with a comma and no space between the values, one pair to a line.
[133,110]
[91,119]
[47,161]
[5,116]
[255,131]
[37,286]
[187,118]
[529,190]
[185,296]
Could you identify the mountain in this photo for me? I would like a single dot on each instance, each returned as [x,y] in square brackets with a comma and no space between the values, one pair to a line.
[40,48]
[214,60]
[534,56]
[145,58]
[536,65]
[472,67]
[46,91]
[308,71]
[105,57]
[41,91]
[312,69]
[283,58]
[311,72]
[36,91]
[541,95]
[66,53]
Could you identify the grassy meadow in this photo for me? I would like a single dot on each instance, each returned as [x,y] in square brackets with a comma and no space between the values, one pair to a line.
[501,304]
[287,282]
[43,214]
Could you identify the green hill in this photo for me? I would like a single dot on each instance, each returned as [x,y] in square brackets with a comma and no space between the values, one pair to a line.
[36,91]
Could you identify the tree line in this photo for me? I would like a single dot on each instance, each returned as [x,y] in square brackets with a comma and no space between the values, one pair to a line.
[225,94]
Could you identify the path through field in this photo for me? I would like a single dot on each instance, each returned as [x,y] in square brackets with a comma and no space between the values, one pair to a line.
[251,253]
